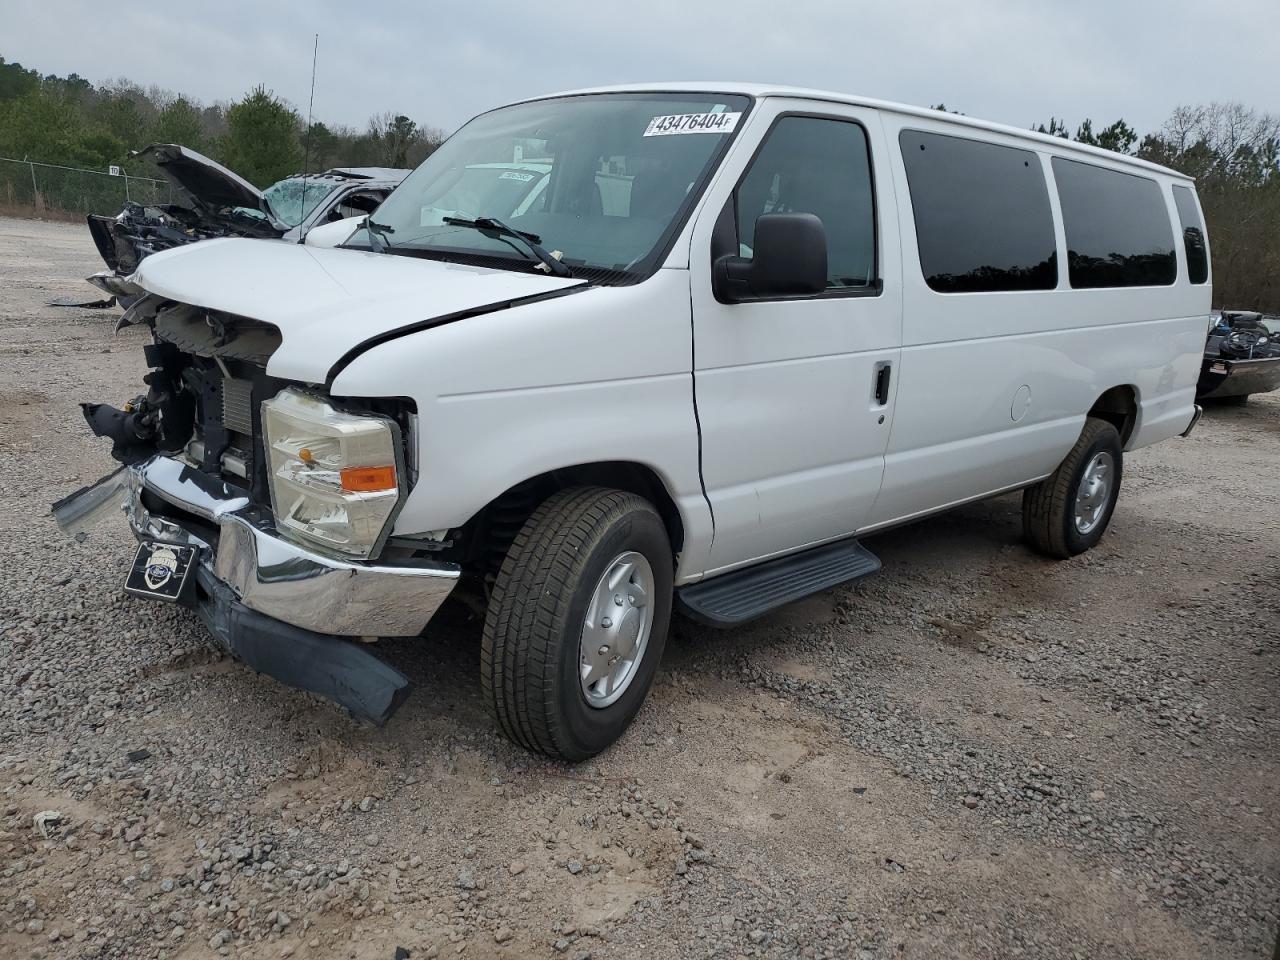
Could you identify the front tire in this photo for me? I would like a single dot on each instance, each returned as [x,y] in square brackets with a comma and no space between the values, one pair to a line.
[577,622]
[1068,512]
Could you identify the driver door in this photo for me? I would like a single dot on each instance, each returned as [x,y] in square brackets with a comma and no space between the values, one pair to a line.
[795,395]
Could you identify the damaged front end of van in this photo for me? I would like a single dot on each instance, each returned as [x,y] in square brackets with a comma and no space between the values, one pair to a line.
[261,503]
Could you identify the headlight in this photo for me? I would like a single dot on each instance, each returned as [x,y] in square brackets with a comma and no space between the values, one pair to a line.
[335,477]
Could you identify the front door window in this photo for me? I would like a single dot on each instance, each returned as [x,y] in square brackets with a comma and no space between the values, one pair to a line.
[818,166]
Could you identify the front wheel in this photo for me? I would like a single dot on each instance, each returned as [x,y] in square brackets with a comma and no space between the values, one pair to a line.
[577,622]
[1067,513]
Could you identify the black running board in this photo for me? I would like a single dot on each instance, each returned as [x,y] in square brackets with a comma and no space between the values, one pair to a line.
[743,595]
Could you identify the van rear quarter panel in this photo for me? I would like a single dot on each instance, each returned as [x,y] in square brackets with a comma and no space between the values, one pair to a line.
[967,358]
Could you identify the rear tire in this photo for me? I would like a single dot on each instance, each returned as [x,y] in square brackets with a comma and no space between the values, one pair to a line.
[1068,512]
[580,551]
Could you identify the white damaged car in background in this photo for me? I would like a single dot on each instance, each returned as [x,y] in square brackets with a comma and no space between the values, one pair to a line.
[211,201]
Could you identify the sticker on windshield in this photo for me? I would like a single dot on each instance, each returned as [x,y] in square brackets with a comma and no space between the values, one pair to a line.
[516,175]
[692,123]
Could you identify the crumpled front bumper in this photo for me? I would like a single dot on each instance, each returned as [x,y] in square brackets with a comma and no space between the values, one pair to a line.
[171,501]
[287,611]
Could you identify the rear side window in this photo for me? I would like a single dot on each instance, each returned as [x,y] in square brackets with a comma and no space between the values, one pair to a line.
[1192,235]
[819,166]
[1117,224]
[983,221]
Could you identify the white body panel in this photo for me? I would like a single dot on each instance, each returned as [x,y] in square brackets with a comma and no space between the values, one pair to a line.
[326,302]
[988,390]
[966,356]
[333,234]
[793,439]
[549,385]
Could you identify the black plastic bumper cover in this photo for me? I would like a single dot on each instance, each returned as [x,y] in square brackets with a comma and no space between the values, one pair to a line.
[331,667]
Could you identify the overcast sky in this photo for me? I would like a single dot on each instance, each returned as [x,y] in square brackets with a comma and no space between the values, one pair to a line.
[1015,61]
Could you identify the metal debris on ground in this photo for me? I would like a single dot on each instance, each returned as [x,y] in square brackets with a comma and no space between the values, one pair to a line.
[43,819]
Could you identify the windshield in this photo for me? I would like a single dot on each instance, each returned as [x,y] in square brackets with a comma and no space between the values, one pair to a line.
[600,180]
[291,201]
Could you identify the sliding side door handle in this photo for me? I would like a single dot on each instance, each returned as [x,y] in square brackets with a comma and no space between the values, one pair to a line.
[880,384]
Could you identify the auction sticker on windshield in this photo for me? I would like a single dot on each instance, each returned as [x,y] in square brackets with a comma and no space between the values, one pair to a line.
[692,123]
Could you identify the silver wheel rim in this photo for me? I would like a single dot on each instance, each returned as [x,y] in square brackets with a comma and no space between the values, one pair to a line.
[1094,492]
[615,633]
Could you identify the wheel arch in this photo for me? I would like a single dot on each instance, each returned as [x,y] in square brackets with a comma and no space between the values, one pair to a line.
[1119,407]
[492,529]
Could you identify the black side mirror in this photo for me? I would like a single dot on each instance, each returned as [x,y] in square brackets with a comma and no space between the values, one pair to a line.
[789,259]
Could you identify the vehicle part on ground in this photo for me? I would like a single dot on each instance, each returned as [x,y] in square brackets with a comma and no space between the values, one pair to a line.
[83,303]
[1068,512]
[557,678]
[736,598]
[78,511]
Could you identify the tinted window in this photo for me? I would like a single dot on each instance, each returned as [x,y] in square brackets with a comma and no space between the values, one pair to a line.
[1192,235]
[982,214]
[810,165]
[1118,231]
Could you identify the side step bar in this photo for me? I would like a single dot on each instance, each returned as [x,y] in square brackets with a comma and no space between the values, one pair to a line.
[743,595]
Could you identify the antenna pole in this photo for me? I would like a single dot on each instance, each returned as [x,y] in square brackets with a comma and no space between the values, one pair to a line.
[306,152]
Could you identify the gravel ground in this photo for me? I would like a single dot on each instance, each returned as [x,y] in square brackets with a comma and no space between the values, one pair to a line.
[978,753]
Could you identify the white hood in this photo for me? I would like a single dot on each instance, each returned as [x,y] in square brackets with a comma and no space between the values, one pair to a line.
[327,302]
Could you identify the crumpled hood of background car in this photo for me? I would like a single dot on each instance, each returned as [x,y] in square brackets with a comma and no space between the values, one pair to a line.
[204,185]
[326,302]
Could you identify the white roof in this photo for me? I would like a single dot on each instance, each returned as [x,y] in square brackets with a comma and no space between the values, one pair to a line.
[762,90]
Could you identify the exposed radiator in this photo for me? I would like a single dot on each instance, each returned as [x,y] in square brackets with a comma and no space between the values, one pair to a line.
[237,405]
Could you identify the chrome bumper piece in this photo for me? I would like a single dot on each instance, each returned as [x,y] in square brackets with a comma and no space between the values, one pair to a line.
[1195,418]
[274,576]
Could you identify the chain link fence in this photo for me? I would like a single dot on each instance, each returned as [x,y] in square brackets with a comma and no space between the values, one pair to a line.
[47,190]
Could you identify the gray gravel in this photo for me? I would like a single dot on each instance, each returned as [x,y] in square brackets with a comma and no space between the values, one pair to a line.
[978,753]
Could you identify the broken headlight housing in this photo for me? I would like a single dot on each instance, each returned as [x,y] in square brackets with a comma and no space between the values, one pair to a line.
[334,476]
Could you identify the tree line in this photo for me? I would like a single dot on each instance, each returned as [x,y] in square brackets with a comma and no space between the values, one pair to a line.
[1231,150]
[68,120]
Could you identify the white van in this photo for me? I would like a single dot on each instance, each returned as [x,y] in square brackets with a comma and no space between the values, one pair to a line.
[733,330]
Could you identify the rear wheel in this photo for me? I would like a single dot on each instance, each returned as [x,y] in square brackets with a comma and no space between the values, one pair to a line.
[1067,513]
[577,622]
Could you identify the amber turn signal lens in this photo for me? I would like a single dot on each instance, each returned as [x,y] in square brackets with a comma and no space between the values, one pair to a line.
[368,479]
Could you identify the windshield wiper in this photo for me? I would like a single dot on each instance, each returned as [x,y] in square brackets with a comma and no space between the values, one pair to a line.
[378,233]
[494,226]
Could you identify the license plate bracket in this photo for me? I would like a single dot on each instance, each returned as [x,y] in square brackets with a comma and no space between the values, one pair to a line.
[161,571]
